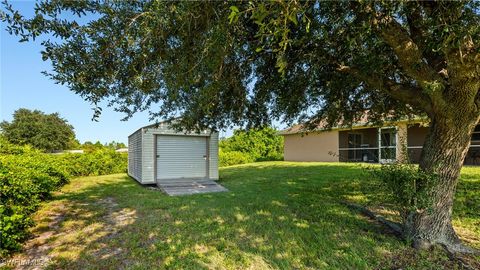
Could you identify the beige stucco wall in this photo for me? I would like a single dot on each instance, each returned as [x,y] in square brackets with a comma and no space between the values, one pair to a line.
[402,132]
[321,146]
[417,135]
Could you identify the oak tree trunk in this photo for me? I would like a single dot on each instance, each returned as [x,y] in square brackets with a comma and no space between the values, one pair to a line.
[443,153]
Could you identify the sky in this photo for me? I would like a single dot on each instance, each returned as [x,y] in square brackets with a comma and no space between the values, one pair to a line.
[23,86]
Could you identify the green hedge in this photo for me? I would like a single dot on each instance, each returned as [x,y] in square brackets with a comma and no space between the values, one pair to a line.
[250,146]
[28,177]
[99,162]
[233,158]
[25,180]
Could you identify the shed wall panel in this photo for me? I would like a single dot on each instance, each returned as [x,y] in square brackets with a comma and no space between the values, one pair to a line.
[148,158]
[135,155]
[213,155]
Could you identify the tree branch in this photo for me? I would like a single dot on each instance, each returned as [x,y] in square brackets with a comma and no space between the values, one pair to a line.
[408,53]
[411,60]
[407,93]
[414,18]
[416,26]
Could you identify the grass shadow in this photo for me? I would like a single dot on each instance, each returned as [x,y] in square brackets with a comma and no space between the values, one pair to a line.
[276,215]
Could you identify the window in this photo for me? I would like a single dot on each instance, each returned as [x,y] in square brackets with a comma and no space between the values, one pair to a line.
[388,142]
[388,153]
[476,134]
[354,140]
[388,137]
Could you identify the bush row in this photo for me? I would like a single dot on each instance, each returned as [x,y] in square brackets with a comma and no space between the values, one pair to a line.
[28,177]
[99,162]
[250,146]
[233,158]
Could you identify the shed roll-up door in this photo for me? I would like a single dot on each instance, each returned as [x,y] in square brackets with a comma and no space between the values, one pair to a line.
[181,157]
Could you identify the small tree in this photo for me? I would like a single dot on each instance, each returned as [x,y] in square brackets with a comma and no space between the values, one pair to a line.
[47,132]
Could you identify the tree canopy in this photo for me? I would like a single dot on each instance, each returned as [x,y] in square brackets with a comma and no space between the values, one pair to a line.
[47,132]
[222,63]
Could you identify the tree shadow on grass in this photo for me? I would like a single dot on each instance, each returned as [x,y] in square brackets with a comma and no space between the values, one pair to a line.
[273,217]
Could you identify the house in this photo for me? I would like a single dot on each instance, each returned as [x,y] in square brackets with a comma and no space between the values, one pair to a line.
[363,142]
[159,154]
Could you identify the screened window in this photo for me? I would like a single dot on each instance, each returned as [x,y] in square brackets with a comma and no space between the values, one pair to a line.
[354,140]
[388,142]
[476,134]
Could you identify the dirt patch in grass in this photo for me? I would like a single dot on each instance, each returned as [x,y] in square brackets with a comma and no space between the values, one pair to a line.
[278,215]
[65,225]
[115,217]
[37,248]
[409,258]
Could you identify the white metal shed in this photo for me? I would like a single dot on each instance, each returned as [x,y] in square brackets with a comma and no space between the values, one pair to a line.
[158,153]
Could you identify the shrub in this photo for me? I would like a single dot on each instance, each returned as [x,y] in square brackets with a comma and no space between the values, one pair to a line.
[406,187]
[28,177]
[8,148]
[233,158]
[254,145]
[105,161]
[25,180]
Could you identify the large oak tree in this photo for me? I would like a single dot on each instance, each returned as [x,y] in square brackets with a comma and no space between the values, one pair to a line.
[48,132]
[220,63]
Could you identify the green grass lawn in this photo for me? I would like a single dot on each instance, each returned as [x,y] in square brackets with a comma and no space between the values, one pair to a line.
[277,215]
